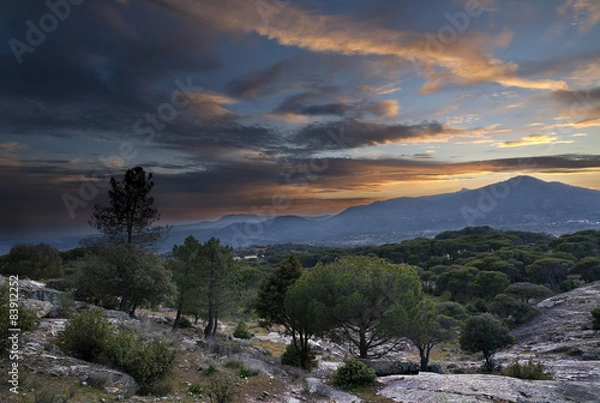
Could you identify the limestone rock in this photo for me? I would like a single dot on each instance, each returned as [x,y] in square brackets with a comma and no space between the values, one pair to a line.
[41,308]
[474,388]
[316,387]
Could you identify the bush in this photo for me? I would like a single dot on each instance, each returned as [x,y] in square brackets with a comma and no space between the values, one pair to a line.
[184,323]
[532,370]
[146,362]
[241,331]
[354,374]
[595,318]
[246,372]
[90,337]
[86,335]
[221,390]
[210,370]
[196,389]
[293,357]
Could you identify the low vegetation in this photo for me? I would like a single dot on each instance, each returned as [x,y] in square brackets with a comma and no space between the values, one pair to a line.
[531,370]
[89,336]
[354,374]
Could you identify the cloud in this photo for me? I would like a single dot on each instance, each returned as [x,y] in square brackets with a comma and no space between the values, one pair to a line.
[350,133]
[386,89]
[584,13]
[8,155]
[532,140]
[463,61]
[580,107]
[389,108]
[253,84]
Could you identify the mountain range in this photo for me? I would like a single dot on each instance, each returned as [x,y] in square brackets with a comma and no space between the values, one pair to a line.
[520,203]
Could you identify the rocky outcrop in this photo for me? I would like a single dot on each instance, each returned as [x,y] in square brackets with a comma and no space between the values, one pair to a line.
[559,336]
[564,325]
[321,390]
[475,388]
[37,291]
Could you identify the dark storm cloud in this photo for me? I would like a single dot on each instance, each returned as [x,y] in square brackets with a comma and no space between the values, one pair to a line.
[350,133]
[107,57]
[209,141]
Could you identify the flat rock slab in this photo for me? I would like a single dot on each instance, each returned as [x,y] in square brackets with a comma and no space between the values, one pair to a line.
[330,394]
[476,388]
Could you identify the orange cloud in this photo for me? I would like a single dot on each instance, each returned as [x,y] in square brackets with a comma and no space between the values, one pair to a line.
[462,61]
[532,140]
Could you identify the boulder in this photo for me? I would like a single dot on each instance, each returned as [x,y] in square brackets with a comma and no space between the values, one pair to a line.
[435,368]
[386,367]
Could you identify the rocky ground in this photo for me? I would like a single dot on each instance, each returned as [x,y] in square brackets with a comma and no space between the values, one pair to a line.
[560,337]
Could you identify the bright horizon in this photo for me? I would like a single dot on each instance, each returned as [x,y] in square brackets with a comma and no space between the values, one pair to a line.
[301,107]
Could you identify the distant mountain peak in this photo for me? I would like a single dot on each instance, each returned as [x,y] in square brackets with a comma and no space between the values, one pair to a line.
[527,178]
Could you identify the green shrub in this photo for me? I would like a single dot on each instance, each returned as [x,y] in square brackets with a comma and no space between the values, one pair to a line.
[222,390]
[354,374]
[86,335]
[532,371]
[595,318]
[246,372]
[292,357]
[241,331]
[147,362]
[196,389]
[184,323]
[90,337]
[210,370]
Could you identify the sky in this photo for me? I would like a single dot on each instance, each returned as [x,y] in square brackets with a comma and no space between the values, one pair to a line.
[283,107]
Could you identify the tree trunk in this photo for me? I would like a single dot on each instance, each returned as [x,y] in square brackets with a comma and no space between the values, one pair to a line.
[489,362]
[363,348]
[132,312]
[424,358]
[177,318]
[209,326]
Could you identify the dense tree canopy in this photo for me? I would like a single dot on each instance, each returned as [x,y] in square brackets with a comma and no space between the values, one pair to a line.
[126,275]
[366,301]
[36,262]
[549,271]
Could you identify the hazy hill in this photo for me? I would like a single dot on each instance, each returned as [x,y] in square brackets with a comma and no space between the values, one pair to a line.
[520,203]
